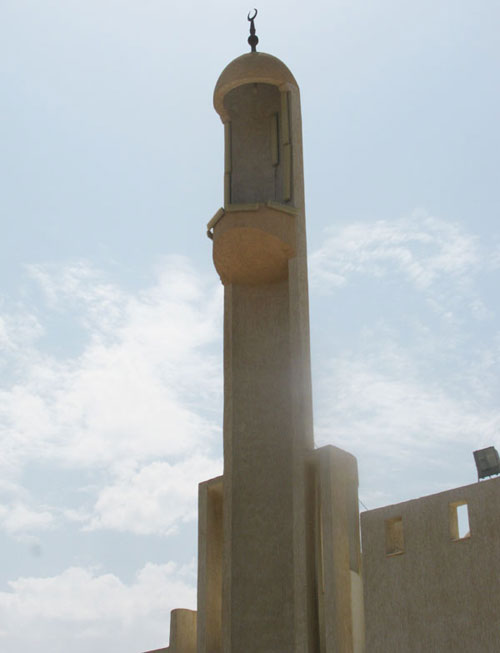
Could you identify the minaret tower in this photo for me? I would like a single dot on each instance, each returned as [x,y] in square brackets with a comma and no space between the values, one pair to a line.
[279,559]
[259,251]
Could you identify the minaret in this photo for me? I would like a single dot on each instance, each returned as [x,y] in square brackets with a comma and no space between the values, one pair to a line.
[259,251]
[279,556]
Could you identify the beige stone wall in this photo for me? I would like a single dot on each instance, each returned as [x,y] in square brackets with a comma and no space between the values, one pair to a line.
[425,589]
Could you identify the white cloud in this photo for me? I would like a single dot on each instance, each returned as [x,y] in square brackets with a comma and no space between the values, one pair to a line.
[145,385]
[155,499]
[140,386]
[495,258]
[411,414]
[19,518]
[81,610]
[422,248]
[409,394]
[140,400]
[20,514]
[18,330]
[399,383]
[388,409]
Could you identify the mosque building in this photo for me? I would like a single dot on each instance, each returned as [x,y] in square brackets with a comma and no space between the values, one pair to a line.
[285,564]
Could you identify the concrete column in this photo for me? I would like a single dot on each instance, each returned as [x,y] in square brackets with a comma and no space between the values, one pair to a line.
[338,554]
[210,543]
[182,631]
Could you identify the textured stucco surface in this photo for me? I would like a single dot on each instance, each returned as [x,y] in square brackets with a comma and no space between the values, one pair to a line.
[440,594]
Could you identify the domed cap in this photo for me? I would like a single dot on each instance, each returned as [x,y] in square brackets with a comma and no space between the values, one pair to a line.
[251,68]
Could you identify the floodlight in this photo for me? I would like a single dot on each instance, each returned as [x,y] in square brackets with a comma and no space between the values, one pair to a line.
[487,462]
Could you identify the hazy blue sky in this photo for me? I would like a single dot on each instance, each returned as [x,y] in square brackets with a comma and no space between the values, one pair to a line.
[111,311]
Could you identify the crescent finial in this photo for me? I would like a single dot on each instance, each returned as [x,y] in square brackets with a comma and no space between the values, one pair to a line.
[253,39]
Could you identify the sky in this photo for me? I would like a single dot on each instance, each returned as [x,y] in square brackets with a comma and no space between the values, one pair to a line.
[111,311]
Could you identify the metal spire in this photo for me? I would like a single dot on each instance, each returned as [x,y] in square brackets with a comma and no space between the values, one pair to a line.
[252,39]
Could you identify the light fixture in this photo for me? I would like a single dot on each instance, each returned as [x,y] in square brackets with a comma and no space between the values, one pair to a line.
[487,462]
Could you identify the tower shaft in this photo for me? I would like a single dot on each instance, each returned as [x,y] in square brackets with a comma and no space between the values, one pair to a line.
[263,481]
[278,538]
[260,254]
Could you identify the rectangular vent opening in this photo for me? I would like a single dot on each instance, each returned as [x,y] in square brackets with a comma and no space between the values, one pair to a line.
[394,536]
[459,520]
